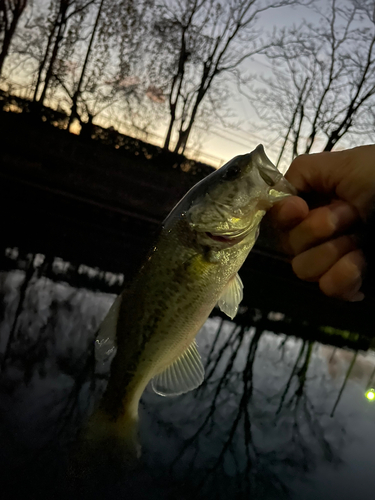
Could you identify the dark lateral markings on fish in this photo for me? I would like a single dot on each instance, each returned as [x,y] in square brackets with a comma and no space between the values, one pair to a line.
[192,266]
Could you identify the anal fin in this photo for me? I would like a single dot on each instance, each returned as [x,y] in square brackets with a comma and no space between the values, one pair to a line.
[183,375]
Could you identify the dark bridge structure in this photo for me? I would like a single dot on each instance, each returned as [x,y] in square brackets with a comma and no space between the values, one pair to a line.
[98,201]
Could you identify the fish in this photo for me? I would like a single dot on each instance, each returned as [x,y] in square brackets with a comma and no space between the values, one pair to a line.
[192,267]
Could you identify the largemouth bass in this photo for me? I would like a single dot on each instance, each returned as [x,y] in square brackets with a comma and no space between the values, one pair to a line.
[192,267]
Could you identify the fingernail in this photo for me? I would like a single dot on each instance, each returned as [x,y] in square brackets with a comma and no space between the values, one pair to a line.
[341,213]
[357,297]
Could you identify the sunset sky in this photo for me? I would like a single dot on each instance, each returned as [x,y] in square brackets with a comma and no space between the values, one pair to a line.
[218,143]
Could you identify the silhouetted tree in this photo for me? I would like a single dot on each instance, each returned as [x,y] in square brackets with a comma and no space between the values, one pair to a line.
[22,294]
[77,92]
[106,75]
[10,13]
[207,41]
[64,11]
[323,78]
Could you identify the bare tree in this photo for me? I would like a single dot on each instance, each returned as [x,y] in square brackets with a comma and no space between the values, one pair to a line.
[10,13]
[207,41]
[77,92]
[105,75]
[65,11]
[50,38]
[322,78]
[361,67]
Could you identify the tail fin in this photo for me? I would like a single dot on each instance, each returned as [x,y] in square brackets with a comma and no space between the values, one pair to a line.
[121,433]
[106,443]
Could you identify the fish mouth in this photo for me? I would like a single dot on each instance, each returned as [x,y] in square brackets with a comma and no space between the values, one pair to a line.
[218,237]
[229,238]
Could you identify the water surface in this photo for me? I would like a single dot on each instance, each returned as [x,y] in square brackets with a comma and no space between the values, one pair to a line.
[277,416]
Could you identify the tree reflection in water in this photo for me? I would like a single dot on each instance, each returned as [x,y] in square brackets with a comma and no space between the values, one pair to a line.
[259,423]
[47,332]
[253,423]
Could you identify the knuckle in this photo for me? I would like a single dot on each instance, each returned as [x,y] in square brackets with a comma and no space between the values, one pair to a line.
[297,165]
[298,268]
[316,228]
[353,264]
[327,288]
[331,250]
[299,161]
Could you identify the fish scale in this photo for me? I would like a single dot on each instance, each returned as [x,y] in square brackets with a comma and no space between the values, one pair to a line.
[192,266]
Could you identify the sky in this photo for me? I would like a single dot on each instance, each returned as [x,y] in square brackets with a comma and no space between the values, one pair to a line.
[224,144]
[221,143]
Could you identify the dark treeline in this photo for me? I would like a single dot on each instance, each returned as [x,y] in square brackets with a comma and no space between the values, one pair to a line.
[100,205]
[314,326]
[171,67]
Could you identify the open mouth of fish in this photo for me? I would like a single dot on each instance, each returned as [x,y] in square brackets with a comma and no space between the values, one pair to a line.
[230,238]
[219,237]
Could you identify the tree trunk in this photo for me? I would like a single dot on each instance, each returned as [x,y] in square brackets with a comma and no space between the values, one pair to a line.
[8,35]
[332,140]
[171,123]
[56,47]
[183,138]
[286,139]
[73,113]
[183,135]
[178,77]
[298,132]
[299,106]
[340,130]
[44,60]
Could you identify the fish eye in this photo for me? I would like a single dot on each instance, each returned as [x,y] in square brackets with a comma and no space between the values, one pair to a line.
[232,173]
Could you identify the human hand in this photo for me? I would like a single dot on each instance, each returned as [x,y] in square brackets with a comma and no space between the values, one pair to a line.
[323,237]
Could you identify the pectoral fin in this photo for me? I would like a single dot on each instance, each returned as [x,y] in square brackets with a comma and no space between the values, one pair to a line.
[231,297]
[184,375]
[105,342]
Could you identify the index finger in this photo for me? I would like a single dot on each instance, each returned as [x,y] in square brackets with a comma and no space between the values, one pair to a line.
[317,172]
[288,212]
[348,175]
